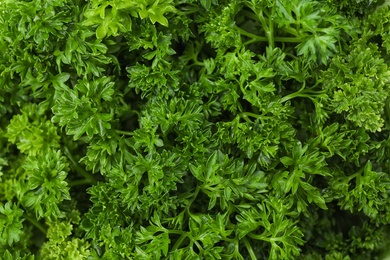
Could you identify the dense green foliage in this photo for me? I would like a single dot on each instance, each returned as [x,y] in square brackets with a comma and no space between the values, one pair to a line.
[194,129]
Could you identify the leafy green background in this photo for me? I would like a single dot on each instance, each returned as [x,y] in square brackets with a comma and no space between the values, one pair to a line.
[194,129]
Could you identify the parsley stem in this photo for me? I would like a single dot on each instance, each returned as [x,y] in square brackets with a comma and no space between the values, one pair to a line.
[237,246]
[264,238]
[36,224]
[249,248]
[77,167]
[198,63]
[270,33]
[249,14]
[290,96]
[260,16]
[291,31]
[269,30]
[179,242]
[250,41]
[124,132]
[302,92]
[246,115]
[270,39]
[199,246]
[287,39]
[249,114]
[193,198]
[251,35]
[349,178]
[174,231]
[297,94]
[192,201]
[79,182]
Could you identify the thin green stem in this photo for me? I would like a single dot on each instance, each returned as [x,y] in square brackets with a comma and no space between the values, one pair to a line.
[243,91]
[246,119]
[269,29]
[79,182]
[231,226]
[193,199]
[36,224]
[123,102]
[179,242]
[199,246]
[124,132]
[290,54]
[353,175]
[287,39]
[250,41]
[298,23]
[174,231]
[166,140]
[185,10]
[198,63]
[259,237]
[246,115]
[299,93]
[187,209]
[270,35]
[251,35]
[232,240]
[249,248]
[275,39]
[291,31]
[263,238]
[250,114]
[237,250]
[263,22]
[289,96]
[304,94]
[249,14]
[77,167]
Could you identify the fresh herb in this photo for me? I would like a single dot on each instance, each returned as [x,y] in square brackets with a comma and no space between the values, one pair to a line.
[185,129]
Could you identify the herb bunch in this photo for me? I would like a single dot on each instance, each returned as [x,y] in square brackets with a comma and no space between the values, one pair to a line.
[194,129]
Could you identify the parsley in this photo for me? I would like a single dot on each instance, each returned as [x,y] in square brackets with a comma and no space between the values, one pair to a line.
[186,129]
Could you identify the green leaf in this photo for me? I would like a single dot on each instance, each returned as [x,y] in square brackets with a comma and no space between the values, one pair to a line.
[46,183]
[206,4]
[32,132]
[11,227]
[79,109]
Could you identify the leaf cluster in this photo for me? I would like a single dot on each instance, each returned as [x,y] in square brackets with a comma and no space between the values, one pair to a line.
[186,129]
